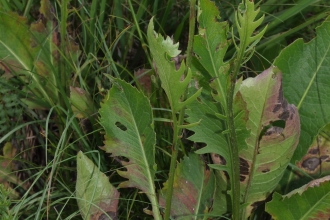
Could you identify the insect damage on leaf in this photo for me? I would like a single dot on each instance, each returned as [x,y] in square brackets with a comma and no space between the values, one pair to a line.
[275,130]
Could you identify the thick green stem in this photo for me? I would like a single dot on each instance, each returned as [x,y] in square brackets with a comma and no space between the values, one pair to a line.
[176,130]
[234,159]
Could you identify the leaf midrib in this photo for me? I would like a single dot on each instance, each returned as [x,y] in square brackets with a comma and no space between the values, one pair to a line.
[313,207]
[312,80]
[150,178]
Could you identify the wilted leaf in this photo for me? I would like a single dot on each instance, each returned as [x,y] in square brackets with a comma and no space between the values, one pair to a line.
[127,119]
[306,83]
[82,104]
[275,128]
[310,201]
[193,189]
[96,197]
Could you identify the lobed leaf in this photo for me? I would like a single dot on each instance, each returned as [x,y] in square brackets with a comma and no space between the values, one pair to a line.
[211,131]
[173,81]
[96,197]
[193,189]
[246,25]
[275,129]
[127,119]
[210,46]
[310,201]
[306,83]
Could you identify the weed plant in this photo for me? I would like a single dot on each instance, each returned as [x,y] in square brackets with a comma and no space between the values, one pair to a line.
[92,44]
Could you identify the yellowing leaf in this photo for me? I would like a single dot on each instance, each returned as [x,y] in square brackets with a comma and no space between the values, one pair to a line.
[193,189]
[82,104]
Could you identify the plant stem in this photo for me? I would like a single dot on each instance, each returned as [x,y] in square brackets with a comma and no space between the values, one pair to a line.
[234,157]
[172,168]
[192,22]
[233,148]
[176,131]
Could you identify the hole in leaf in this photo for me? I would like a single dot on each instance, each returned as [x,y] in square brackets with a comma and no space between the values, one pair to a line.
[121,126]
[265,170]
[274,127]
[278,123]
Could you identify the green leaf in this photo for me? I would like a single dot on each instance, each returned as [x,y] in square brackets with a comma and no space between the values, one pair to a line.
[246,25]
[275,128]
[306,83]
[126,116]
[96,197]
[210,131]
[210,46]
[310,201]
[193,189]
[174,85]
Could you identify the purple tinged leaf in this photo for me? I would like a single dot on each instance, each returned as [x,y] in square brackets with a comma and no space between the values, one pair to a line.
[193,189]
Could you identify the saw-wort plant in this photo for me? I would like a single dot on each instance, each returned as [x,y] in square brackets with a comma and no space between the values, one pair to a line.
[243,143]
[245,124]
